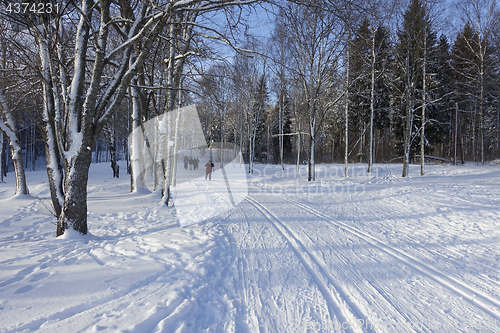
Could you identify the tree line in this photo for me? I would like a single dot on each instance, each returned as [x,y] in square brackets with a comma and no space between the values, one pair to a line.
[366,84]
[321,81]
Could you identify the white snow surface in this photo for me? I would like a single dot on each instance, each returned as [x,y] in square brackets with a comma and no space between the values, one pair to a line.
[369,253]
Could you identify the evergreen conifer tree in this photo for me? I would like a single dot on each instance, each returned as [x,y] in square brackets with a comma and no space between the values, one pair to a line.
[416,43]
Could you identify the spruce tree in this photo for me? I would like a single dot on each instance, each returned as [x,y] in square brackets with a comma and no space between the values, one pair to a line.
[415,45]
[444,107]
[383,79]
[359,91]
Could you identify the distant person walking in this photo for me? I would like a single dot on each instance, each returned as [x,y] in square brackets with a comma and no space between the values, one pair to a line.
[209,167]
[186,161]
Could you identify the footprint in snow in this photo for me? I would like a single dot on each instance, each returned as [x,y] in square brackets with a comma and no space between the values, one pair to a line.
[26,271]
[25,289]
[122,306]
[98,328]
[70,261]
[48,264]
[39,276]
[11,281]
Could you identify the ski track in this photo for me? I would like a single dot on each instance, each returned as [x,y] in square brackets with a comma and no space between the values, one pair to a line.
[475,297]
[254,274]
[338,299]
[417,261]
[339,304]
[445,230]
[380,300]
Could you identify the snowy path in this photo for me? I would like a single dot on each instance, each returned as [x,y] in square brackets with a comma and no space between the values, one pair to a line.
[366,254]
[363,282]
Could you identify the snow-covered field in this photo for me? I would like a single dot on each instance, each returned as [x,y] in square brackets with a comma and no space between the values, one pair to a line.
[370,253]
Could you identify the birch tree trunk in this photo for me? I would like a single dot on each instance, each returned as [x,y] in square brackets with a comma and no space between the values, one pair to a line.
[298,142]
[51,106]
[281,123]
[136,174]
[311,173]
[1,156]
[176,140]
[168,157]
[372,93]
[171,94]
[424,103]
[180,40]
[346,133]
[251,145]
[7,126]
[408,123]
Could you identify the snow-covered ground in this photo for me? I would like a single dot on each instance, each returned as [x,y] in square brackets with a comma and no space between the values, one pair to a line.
[370,253]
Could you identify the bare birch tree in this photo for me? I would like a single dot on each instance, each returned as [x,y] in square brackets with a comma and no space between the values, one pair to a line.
[313,37]
[414,40]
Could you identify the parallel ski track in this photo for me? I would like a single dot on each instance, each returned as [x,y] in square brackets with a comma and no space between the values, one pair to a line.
[387,300]
[339,303]
[477,298]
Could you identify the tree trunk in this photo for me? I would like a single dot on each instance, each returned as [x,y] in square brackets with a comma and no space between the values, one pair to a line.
[54,168]
[312,147]
[176,139]
[298,147]
[168,115]
[481,116]
[168,163]
[1,157]
[17,159]
[346,152]
[33,147]
[251,151]
[112,151]
[51,106]
[407,141]
[74,213]
[268,144]
[97,148]
[281,123]
[408,119]
[424,101]
[8,128]
[372,95]
[136,174]
[311,176]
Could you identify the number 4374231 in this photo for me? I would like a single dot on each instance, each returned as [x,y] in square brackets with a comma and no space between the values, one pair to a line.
[31,8]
